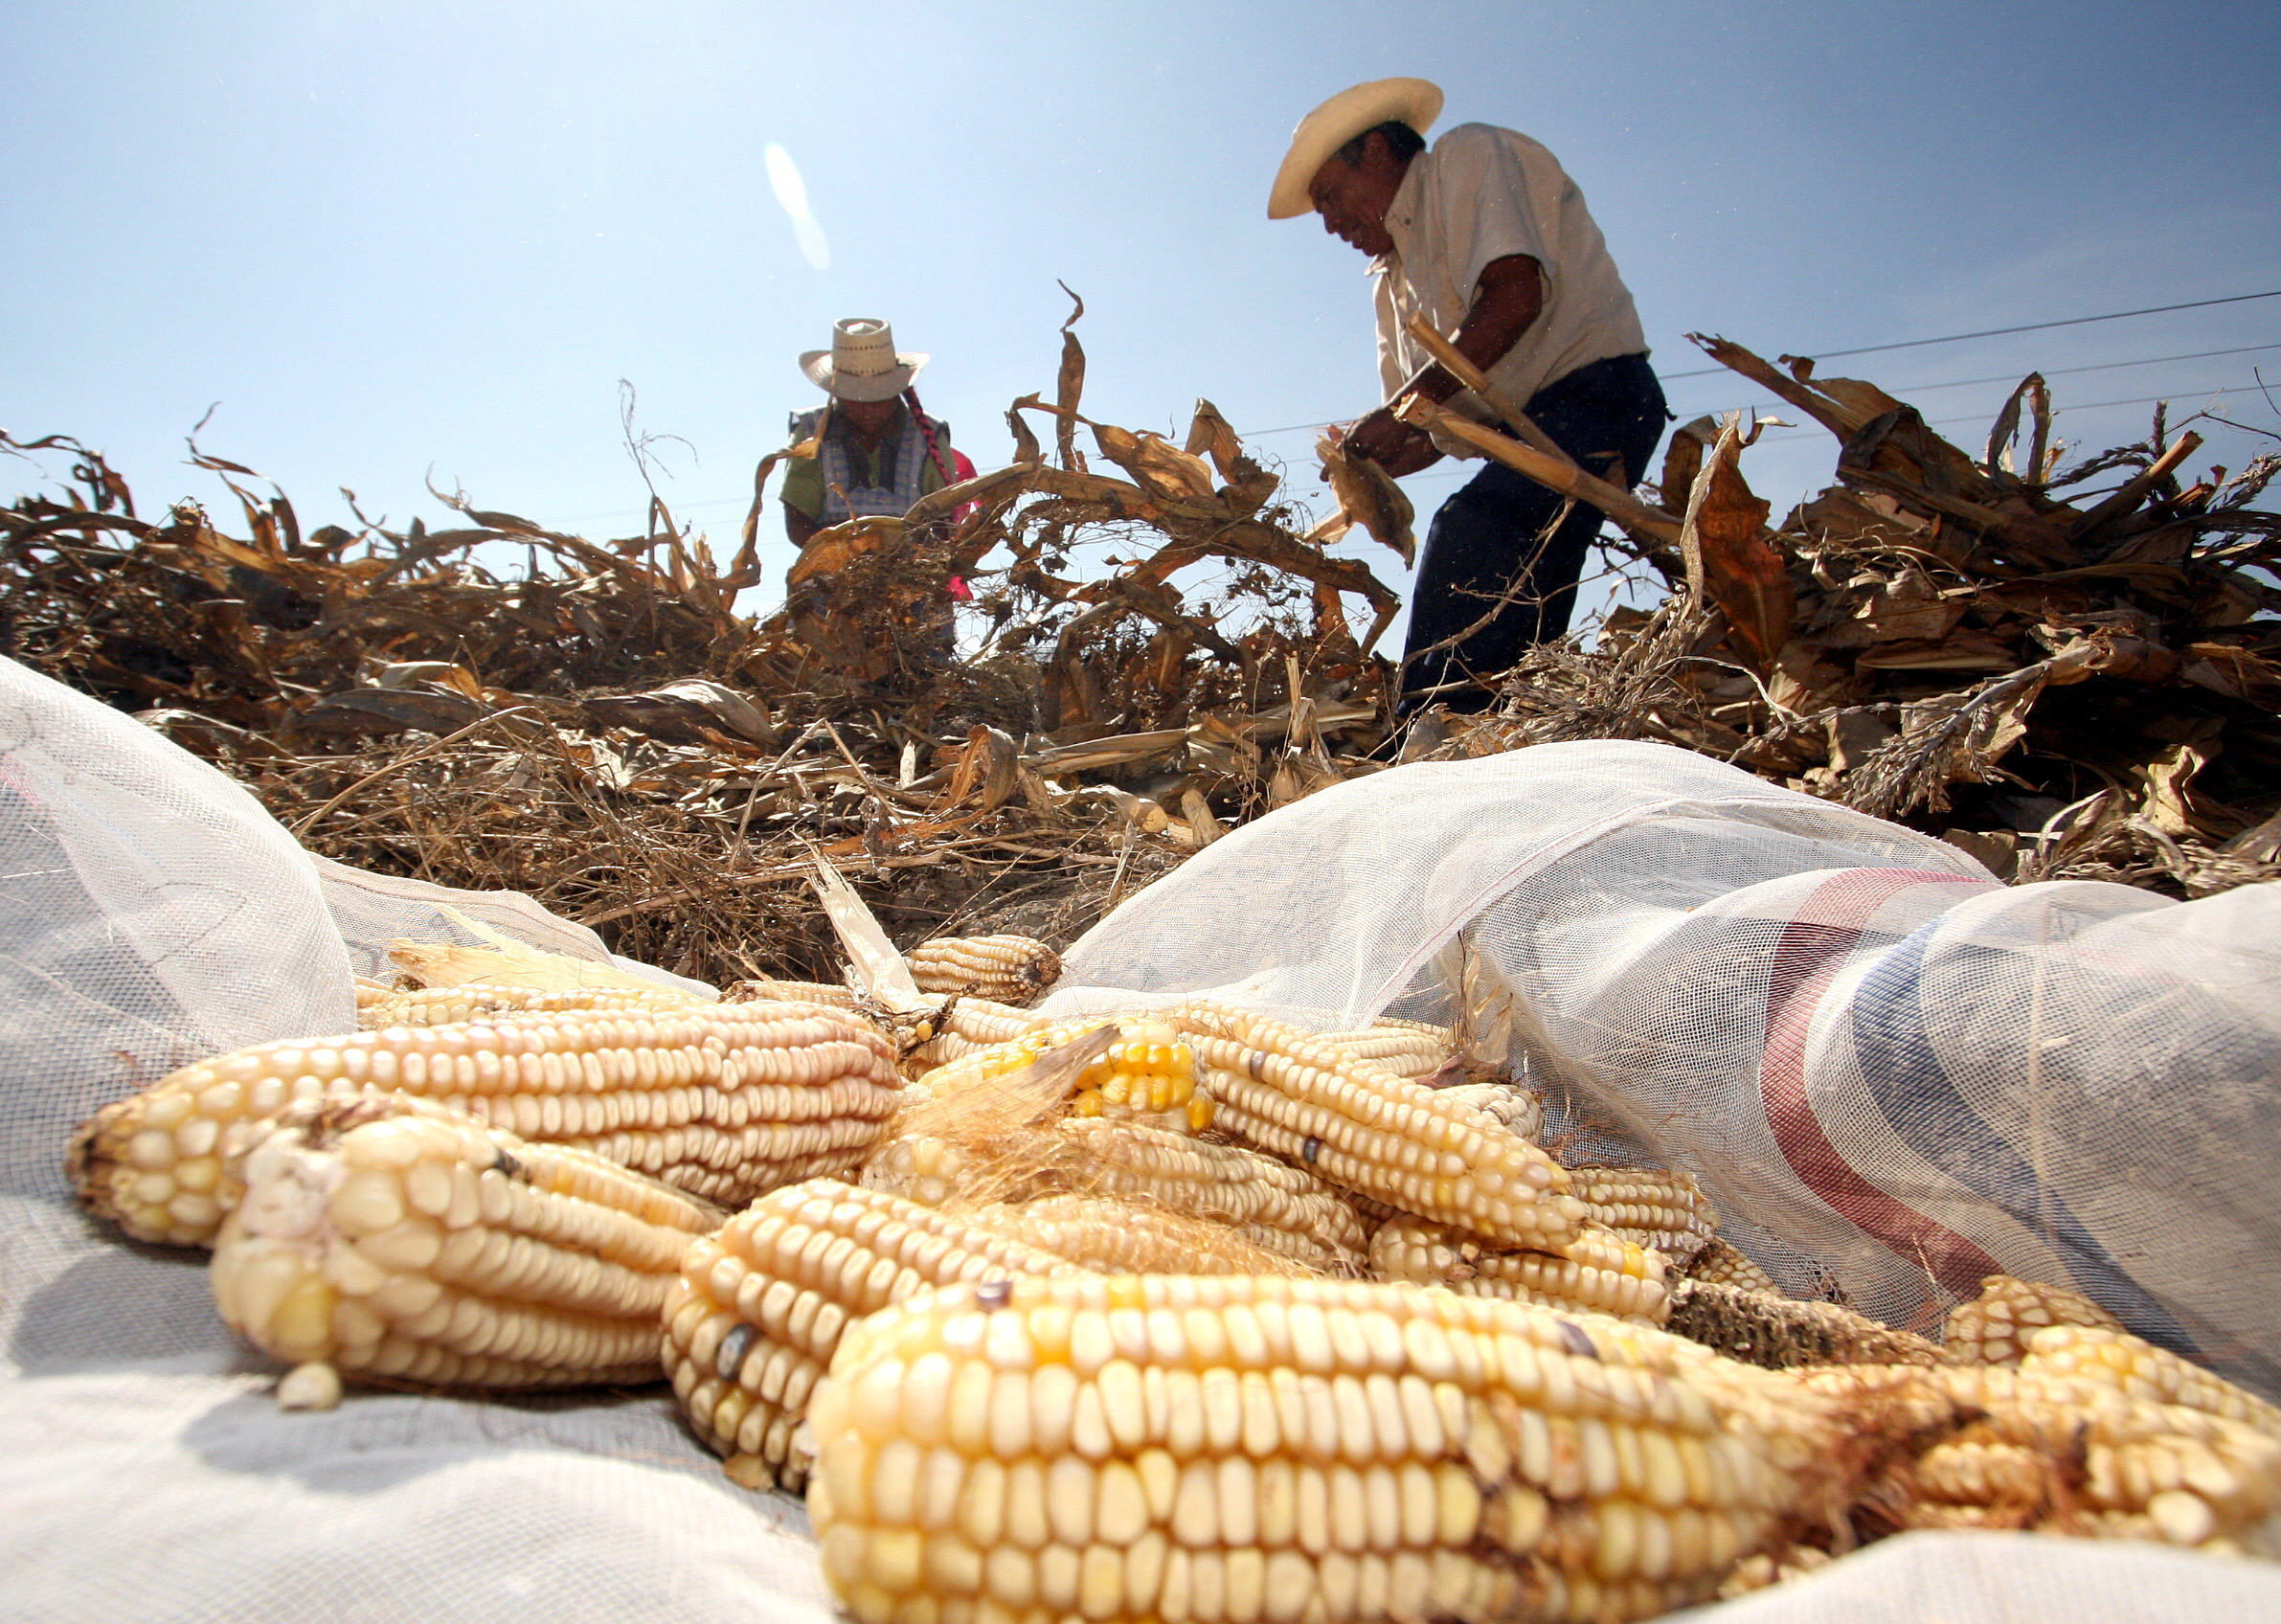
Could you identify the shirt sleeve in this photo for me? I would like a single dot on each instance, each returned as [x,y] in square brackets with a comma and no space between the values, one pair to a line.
[803,489]
[1485,209]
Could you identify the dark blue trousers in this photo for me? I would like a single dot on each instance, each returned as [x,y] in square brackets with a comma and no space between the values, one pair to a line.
[1495,536]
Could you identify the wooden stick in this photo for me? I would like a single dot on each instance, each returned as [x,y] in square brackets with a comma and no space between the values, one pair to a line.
[1556,472]
[2134,492]
[1452,361]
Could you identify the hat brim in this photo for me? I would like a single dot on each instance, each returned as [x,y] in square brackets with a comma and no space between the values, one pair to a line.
[863,386]
[1415,102]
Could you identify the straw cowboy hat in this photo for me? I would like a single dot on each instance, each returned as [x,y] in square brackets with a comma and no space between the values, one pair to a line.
[1415,102]
[862,363]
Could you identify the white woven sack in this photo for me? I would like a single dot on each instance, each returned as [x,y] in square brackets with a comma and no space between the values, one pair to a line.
[1893,1075]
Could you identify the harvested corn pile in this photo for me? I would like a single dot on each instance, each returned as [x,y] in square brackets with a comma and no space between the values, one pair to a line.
[1113,1366]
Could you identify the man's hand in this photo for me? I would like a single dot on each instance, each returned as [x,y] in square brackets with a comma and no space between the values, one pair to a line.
[1391,444]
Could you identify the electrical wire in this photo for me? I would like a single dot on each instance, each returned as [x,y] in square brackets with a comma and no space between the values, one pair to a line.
[2014,377]
[1999,332]
[1919,343]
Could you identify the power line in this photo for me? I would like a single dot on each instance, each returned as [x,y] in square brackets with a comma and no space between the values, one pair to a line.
[2050,373]
[1999,332]
[1977,418]
[1947,338]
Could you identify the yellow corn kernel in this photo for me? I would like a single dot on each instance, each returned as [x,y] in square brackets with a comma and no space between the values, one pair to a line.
[1229,1449]
[1143,1062]
[723,1101]
[396,1240]
[750,1323]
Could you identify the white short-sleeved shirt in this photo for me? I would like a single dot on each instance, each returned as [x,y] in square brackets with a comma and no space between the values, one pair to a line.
[1480,194]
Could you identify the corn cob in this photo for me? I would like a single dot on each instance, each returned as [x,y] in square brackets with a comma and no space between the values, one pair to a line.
[751,1321]
[1994,1327]
[1387,1138]
[2139,1371]
[369,992]
[1780,1334]
[724,1102]
[1719,1264]
[1285,1210]
[922,1168]
[1598,1271]
[1519,1110]
[2064,1455]
[1242,1449]
[477,1001]
[765,991]
[393,1239]
[1124,1237]
[1406,1050]
[1007,968]
[1666,1210]
[1145,1073]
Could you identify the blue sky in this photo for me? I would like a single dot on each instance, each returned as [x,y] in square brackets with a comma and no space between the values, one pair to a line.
[388,238]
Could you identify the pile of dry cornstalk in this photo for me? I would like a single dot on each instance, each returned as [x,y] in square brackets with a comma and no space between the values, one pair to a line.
[2065,684]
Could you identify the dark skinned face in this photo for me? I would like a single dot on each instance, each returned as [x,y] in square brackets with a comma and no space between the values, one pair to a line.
[869,419]
[1353,198]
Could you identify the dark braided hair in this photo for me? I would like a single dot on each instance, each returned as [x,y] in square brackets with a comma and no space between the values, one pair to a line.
[926,430]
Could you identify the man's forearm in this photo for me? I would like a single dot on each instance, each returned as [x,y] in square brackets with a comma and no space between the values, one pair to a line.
[1506,303]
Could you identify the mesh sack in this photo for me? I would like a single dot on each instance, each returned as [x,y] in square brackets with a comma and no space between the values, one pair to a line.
[153,913]
[1892,1075]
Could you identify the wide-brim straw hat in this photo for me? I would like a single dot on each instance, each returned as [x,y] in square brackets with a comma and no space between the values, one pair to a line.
[863,363]
[1415,102]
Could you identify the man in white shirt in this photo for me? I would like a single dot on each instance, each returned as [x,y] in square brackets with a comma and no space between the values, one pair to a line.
[1487,237]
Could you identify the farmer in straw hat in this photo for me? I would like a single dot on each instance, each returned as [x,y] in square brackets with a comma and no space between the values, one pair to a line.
[1486,237]
[877,451]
